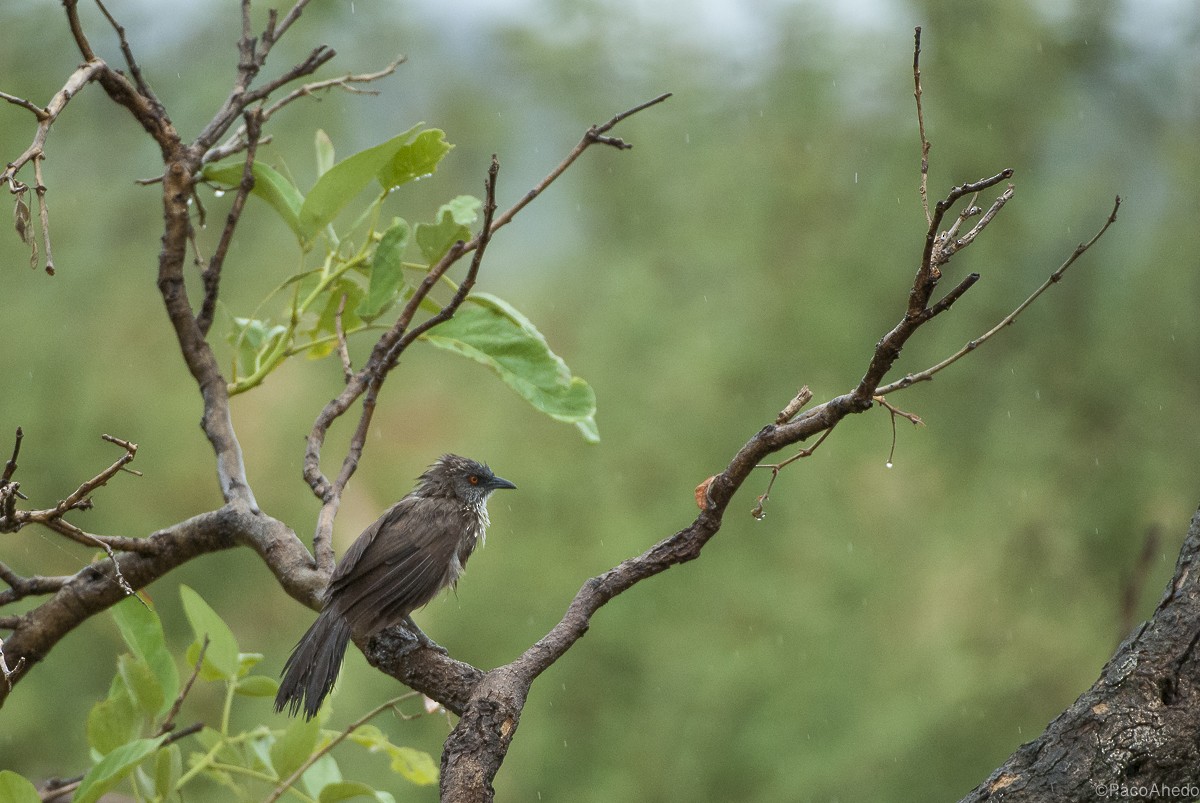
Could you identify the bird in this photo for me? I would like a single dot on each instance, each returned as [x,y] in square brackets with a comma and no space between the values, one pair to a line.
[417,548]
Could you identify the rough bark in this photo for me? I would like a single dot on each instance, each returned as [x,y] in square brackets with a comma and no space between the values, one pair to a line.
[1136,732]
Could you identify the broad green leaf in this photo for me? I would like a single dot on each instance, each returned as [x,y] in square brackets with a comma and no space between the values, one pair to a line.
[208,672]
[257,686]
[168,768]
[114,720]
[490,331]
[324,146]
[453,218]
[142,685]
[387,271]
[269,184]
[415,160]
[294,745]
[16,789]
[346,179]
[222,652]
[260,749]
[345,790]
[142,631]
[111,769]
[415,765]
[322,773]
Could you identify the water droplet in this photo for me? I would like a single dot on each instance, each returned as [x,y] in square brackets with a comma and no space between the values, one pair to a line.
[888,464]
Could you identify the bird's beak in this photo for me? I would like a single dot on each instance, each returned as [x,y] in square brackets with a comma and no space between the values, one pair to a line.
[499,483]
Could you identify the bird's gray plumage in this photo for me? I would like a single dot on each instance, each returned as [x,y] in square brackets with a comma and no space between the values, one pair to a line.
[418,547]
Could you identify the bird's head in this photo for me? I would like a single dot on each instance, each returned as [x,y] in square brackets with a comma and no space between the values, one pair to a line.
[466,479]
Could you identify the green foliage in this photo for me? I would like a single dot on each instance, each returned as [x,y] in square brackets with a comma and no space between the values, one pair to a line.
[15,789]
[355,287]
[490,331]
[129,730]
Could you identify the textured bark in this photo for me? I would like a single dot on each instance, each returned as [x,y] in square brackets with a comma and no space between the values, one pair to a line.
[1136,732]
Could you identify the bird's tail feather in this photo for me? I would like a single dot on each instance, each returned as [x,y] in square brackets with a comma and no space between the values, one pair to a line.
[312,668]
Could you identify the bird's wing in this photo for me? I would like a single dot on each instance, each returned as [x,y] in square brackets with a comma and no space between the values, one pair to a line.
[398,564]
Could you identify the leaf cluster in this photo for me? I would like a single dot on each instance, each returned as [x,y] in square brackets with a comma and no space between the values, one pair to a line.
[371,268]
[134,739]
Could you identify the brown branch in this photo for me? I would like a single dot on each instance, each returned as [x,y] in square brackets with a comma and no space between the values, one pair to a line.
[94,588]
[135,69]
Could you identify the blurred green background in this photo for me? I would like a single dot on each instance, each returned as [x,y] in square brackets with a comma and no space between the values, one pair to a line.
[882,634]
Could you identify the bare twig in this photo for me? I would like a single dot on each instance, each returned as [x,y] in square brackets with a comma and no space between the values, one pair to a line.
[36,150]
[802,397]
[134,69]
[758,512]
[168,723]
[1007,320]
[921,124]
[212,274]
[237,141]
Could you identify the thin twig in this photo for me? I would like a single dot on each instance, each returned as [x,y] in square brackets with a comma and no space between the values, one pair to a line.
[921,124]
[212,274]
[168,723]
[757,511]
[1007,320]
[134,69]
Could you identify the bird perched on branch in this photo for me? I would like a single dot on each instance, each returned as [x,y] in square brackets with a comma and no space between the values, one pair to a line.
[413,551]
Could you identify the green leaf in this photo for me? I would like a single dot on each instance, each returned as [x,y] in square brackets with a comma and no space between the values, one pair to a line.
[453,218]
[415,765]
[168,769]
[490,331]
[253,340]
[247,661]
[322,773]
[345,790]
[16,789]
[324,147]
[295,745]
[257,686]
[114,720]
[346,179]
[111,769]
[415,160]
[141,683]
[222,652]
[327,319]
[269,184]
[142,631]
[387,271]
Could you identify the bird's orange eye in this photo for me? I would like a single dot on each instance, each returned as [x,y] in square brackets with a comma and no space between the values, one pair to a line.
[473,479]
